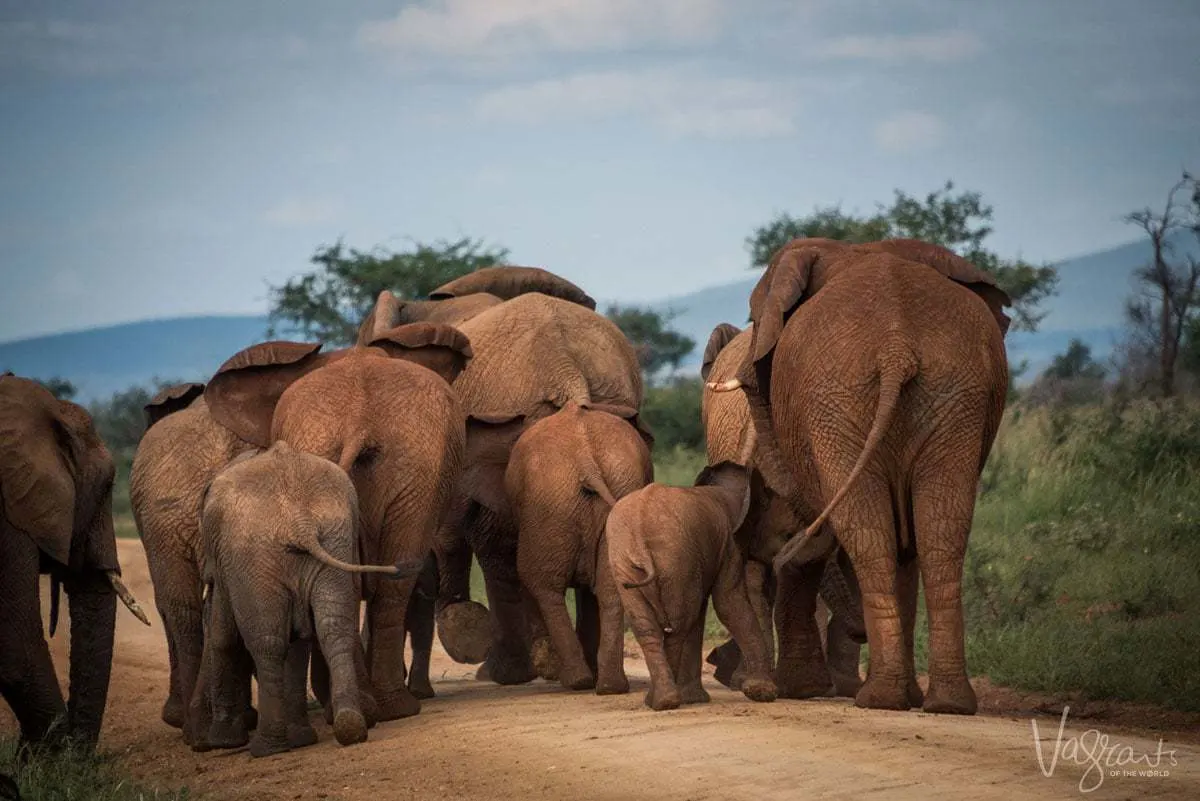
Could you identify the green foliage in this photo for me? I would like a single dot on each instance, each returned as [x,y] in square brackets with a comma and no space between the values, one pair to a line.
[329,302]
[658,345]
[1072,378]
[69,775]
[678,466]
[672,411]
[1075,362]
[958,221]
[1083,571]
[60,388]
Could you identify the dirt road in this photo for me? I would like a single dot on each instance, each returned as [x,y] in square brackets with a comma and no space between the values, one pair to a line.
[481,741]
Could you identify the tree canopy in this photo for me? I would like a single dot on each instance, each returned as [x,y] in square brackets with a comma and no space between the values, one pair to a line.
[328,302]
[960,221]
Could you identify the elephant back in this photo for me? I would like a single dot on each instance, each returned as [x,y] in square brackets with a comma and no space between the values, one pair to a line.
[535,352]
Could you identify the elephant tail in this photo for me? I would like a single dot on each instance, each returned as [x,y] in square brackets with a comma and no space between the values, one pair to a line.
[652,592]
[352,446]
[312,546]
[898,366]
[593,478]
[55,592]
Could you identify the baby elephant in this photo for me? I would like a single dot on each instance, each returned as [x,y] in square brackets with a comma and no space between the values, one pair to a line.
[670,548]
[280,534]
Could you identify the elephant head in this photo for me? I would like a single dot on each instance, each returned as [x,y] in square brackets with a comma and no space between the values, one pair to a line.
[170,400]
[56,478]
[507,282]
[390,312]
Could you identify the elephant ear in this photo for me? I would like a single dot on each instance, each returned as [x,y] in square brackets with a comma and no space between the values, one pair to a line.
[717,340]
[171,400]
[37,483]
[508,282]
[243,393]
[385,314]
[628,414]
[954,267]
[441,348]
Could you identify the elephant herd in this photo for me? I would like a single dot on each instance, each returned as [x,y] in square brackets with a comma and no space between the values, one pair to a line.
[499,420]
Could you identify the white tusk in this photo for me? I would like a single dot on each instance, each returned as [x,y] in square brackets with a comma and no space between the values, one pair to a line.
[127,597]
[724,386]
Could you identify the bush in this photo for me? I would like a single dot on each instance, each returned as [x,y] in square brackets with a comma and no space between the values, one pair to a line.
[47,776]
[672,411]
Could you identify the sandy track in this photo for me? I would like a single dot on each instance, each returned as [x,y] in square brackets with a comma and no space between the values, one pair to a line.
[481,741]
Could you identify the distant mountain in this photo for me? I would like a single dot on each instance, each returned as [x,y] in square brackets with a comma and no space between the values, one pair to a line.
[1089,305]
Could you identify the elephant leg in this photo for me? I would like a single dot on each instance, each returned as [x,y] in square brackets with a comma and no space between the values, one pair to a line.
[419,621]
[843,655]
[270,651]
[508,660]
[610,656]
[181,610]
[335,620]
[735,610]
[907,583]
[867,532]
[943,505]
[587,624]
[300,732]
[664,692]
[385,650]
[574,672]
[800,671]
[320,679]
[463,625]
[27,679]
[541,650]
[691,656]
[216,714]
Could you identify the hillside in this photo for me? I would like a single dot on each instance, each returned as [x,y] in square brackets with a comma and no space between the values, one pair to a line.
[1089,305]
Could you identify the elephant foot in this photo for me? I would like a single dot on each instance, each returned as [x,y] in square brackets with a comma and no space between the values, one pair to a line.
[518,670]
[726,657]
[172,713]
[368,708]
[465,631]
[545,660]
[883,693]
[251,718]
[420,687]
[263,745]
[762,690]
[396,705]
[350,727]
[300,735]
[694,694]
[661,700]
[848,686]
[327,714]
[577,678]
[801,679]
[916,698]
[223,734]
[950,697]
[618,685]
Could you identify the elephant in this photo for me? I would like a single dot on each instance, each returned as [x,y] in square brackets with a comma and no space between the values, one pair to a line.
[387,416]
[565,473]
[280,540]
[670,549]
[56,479]
[768,524]
[180,453]
[877,375]
[539,348]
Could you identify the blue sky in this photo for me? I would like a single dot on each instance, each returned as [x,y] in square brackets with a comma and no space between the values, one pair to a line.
[164,158]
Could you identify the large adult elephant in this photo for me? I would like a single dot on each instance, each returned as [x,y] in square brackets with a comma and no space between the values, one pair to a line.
[876,377]
[386,414]
[769,523]
[542,346]
[56,478]
[181,452]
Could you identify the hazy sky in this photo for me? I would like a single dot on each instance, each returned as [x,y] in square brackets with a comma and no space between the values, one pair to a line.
[165,158]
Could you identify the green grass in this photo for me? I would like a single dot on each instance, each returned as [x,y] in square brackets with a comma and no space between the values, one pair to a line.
[74,776]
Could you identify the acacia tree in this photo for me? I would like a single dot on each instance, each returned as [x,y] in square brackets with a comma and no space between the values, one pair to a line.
[1163,310]
[960,221]
[330,301]
[657,344]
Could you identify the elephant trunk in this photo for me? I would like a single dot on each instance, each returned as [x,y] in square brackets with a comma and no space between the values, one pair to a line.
[843,600]
[93,609]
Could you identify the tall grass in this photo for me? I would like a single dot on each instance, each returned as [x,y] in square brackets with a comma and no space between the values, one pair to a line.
[73,776]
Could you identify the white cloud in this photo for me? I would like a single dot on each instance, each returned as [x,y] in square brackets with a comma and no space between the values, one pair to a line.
[481,29]
[943,47]
[909,131]
[679,102]
[303,211]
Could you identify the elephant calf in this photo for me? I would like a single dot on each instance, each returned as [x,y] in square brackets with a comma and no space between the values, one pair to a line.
[280,539]
[670,548]
[565,473]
